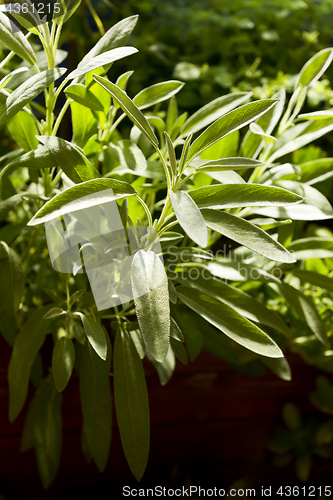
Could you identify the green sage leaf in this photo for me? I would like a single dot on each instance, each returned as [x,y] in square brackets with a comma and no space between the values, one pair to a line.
[246,234]
[131,401]
[243,303]
[297,212]
[305,307]
[15,41]
[151,298]
[157,93]
[62,362]
[96,401]
[70,159]
[228,123]
[228,164]
[314,68]
[47,430]
[28,342]
[82,95]
[102,60]
[243,195]
[129,108]
[27,92]
[214,110]
[115,37]
[95,335]
[12,277]
[189,217]
[73,198]
[230,322]
[66,9]
[23,129]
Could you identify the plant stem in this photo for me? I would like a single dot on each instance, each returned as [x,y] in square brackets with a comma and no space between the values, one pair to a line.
[30,244]
[146,209]
[167,227]
[163,214]
[60,117]
[96,18]
[166,170]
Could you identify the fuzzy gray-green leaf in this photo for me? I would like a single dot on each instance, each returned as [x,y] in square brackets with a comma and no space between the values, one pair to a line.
[73,198]
[247,234]
[27,92]
[151,297]
[228,123]
[189,217]
[230,322]
[129,108]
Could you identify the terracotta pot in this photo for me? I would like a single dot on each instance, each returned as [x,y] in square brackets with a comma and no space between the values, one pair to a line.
[209,424]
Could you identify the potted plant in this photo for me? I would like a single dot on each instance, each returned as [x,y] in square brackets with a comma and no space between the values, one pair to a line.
[166,191]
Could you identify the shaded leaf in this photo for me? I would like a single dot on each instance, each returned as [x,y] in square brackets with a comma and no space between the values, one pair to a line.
[131,400]
[48,430]
[96,401]
[304,306]
[12,277]
[314,278]
[23,129]
[62,362]
[28,342]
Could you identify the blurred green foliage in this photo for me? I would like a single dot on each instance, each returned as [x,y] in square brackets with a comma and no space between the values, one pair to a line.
[218,45]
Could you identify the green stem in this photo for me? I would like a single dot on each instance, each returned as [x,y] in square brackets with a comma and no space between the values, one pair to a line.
[96,18]
[30,244]
[163,214]
[166,170]
[107,134]
[146,209]
[167,227]
[56,179]
[60,117]
[59,89]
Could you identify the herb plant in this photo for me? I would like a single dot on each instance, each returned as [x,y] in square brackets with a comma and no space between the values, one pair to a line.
[182,180]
